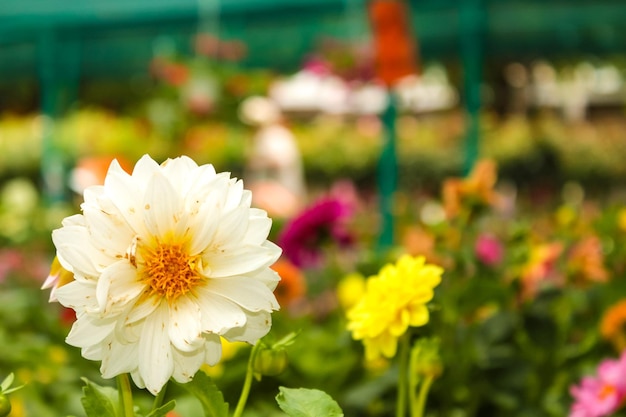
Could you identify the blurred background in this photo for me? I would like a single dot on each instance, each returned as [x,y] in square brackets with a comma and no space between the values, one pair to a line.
[294,97]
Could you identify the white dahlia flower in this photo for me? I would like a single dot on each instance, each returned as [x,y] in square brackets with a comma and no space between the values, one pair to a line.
[166,261]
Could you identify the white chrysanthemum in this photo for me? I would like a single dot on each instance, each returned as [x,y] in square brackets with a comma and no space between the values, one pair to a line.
[166,261]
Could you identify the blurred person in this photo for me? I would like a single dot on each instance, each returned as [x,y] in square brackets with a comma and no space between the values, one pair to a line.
[274,171]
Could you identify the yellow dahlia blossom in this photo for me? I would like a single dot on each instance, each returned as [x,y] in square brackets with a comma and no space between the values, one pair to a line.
[166,261]
[394,300]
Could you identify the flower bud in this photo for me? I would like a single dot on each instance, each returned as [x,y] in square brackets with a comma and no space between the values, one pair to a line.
[270,361]
[5,406]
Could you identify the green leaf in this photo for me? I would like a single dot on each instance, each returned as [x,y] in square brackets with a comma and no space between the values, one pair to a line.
[211,398]
[7,382]
[163,410]
[302,402]
[98,401]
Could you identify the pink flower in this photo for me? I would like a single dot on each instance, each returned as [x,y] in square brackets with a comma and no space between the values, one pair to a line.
[488,250]
[305,236]
[601,395]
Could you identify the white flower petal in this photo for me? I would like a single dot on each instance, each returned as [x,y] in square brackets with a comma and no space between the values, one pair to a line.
[198,183]
[155,351]
[127,196]
[89,330]
[258,229]
[232,228]
[248,293]
[179,169]
[235,195]
[78,295]
[184,325]
[218,313]
[137,378]
[144,169]
[118,359]
[186,364]
[142,308]
[257,326]
[212,349]
[161,206]
[108,232]
[118,285]
[267,276]
[75,248]
[241,260]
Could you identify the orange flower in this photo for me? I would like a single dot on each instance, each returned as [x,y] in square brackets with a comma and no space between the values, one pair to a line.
[613,324]
[586,260]
[292,285]
[540,268]
[478,187]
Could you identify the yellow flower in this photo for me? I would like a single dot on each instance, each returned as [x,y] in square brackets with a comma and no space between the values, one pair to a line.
[394,300]
[621,219]
[350,290]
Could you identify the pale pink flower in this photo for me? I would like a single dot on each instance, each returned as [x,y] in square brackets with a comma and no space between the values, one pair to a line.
[601,395]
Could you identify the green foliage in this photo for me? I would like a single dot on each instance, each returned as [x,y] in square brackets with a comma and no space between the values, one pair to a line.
[99,401]
[303,402]
[163,410]
[211,398]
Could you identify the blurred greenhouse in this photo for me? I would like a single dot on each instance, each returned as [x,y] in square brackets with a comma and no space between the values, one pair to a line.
[445,181]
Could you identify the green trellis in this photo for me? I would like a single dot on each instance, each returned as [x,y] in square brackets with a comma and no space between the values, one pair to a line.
[59,43]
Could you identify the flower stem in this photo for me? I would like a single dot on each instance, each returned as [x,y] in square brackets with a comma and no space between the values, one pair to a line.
[402,375]
[158,400]
[126,396]
[245,391]
[417,409]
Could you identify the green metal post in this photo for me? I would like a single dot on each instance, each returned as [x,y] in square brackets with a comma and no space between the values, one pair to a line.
[387,175]
[471,28]
[52,166]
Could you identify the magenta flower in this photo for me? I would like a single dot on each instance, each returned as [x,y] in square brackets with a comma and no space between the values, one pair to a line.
[322,223]
[488,250]
[601,395]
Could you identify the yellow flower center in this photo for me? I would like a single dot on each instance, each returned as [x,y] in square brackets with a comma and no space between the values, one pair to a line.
[169,270]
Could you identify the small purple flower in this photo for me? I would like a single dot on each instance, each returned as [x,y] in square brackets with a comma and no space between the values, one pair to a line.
[488,250]
[322,223]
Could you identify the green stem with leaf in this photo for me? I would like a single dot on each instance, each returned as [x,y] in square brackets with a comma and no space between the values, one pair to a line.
[245,391]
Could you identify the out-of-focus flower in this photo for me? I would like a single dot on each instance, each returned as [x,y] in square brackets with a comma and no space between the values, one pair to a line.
[304,237]
[586,260]
[489,250]
[419,241]
[394,300]
[172,73]
[165,262]
[92,170]
[621,219]
[476,189]
[57,278]
[540,268]
[613,325]
[600,395]
[292,285]
[350,290]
